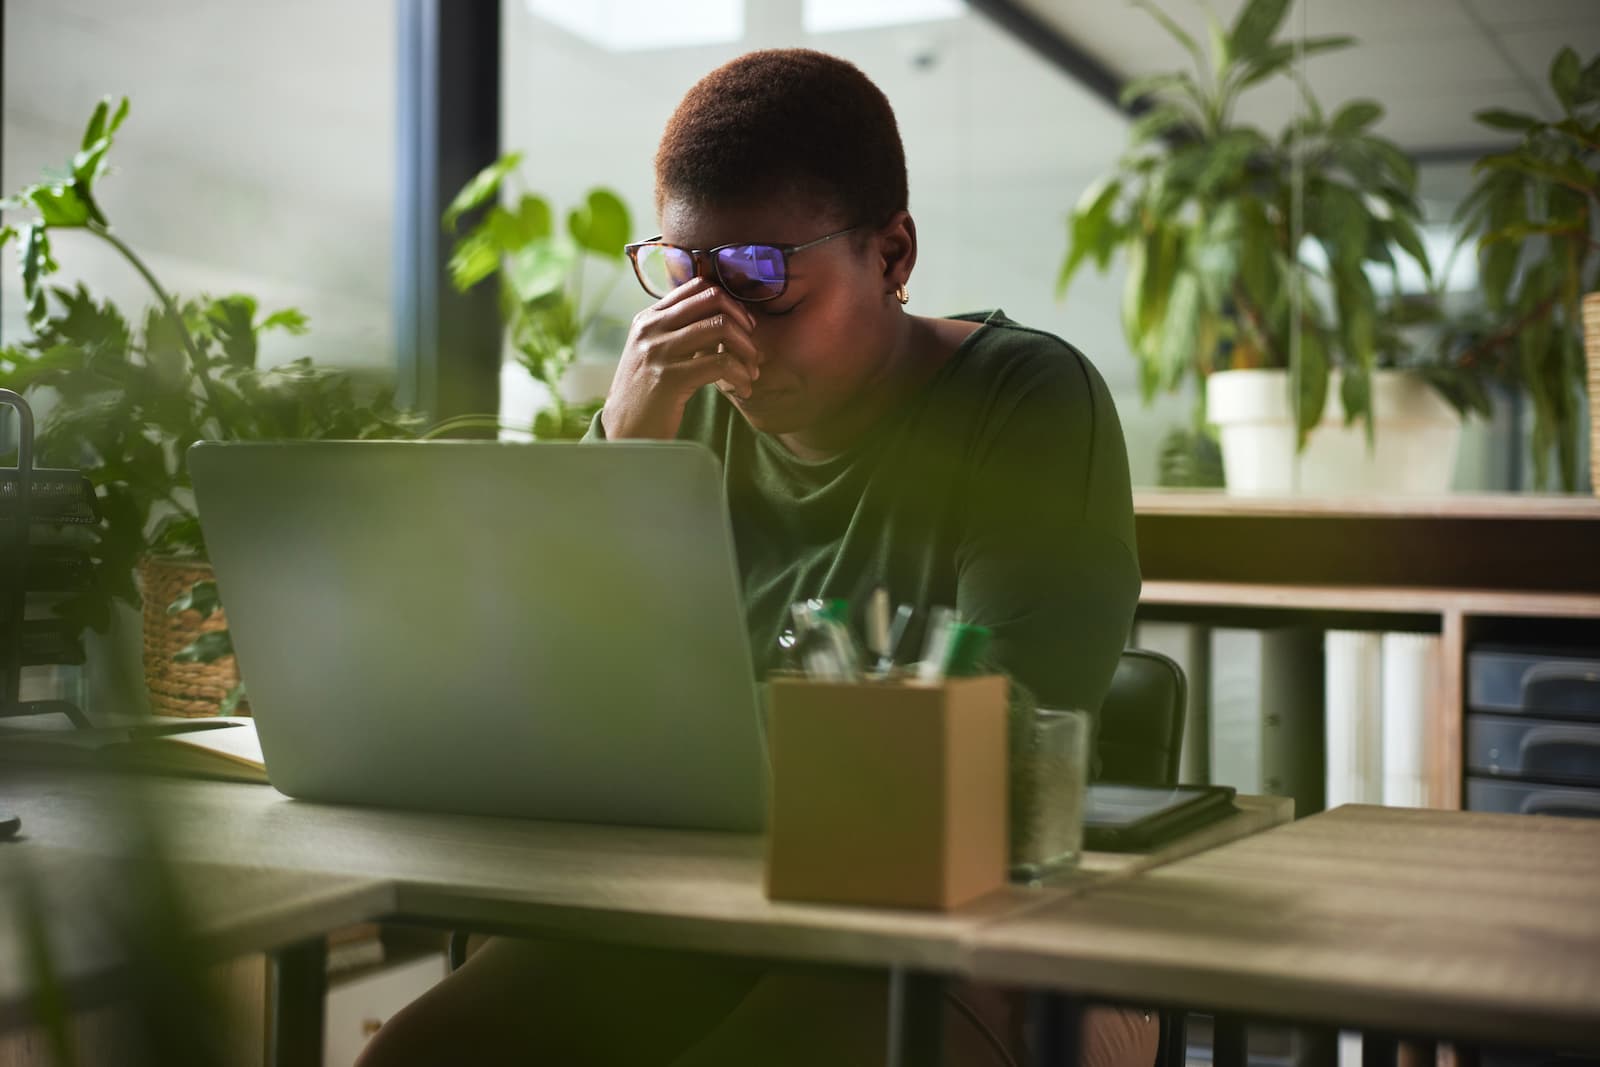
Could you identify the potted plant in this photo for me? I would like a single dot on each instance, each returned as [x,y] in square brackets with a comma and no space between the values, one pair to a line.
[127,397]
[1251,261]
[1534,214]
[542,271]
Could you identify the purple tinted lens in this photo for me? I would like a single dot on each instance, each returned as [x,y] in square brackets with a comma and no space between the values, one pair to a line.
[663,268]
[752,272]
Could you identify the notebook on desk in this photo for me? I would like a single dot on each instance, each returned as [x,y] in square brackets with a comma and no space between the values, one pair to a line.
[222,747]
[549,630]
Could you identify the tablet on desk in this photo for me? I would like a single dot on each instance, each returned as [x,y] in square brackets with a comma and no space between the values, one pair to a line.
[1132,818]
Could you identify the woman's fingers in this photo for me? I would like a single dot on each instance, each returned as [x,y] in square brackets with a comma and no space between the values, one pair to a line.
[705,303]
[708,335]
[690,374]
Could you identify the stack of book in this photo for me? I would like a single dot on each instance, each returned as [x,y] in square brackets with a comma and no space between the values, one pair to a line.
[1326,717]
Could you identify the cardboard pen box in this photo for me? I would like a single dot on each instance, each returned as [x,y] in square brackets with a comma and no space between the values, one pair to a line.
[887,792]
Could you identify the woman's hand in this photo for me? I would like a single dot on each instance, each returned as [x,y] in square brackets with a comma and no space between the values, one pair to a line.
[695,335]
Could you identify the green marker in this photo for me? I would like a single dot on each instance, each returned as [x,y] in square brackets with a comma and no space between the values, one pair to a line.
[965,649]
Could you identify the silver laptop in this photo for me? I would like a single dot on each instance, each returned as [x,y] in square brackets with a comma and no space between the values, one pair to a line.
[550,630]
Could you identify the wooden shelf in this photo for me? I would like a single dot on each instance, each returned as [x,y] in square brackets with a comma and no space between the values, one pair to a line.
[1468,542]
[1511,603]
[1516,506]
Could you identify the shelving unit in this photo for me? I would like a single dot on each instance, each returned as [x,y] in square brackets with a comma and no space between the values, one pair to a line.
[1468,566]
[34,498]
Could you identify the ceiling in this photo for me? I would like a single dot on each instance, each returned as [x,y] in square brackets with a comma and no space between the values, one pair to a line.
[1431,63]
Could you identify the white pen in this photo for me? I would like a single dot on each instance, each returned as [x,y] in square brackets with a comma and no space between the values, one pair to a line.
[878,622]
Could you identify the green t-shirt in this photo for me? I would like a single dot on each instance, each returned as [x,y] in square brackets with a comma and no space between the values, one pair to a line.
[1000,488]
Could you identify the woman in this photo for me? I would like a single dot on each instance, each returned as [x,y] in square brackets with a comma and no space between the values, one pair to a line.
[962,461]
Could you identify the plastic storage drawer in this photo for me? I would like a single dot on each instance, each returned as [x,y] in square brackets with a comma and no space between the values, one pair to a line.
[1530,798]
[1531,682]
[1534,748]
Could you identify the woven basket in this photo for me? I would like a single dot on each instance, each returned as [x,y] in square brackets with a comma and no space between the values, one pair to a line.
[1591,347]
[191,689]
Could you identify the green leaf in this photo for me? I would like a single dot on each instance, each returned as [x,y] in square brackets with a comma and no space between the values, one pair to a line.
[232,323]
[179,535]
[1256,25]
[35,263]
[1354,117]
[200,597]
[1220,52]
[1311,396]
[289,320]
[1158,85]
[230,703]
[1355,392]
[1518,232]
[476,256]
[96,129]
[1589,84]
[1215,255]
[59,204]
[1179,338]
[1178,32]
[1255,254]
[116,118]
[1584,135]
[1091,229]
[89,163]
[1565,72]
[1398,162]
[1566,172]
[1405,234]
[1132,296]
[528,222]
[539,271]
[1500,119]
[601,225]
[1280,56]
[1226,159]
[1357,320]
[207,648]
[1158,121]
[1338,218]
[483,187]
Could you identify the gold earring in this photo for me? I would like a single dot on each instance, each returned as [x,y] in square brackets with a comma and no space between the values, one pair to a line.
[901,295]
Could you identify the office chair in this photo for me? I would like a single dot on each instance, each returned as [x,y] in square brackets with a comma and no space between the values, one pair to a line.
[1141,738]
[1139,742]
[1141,721]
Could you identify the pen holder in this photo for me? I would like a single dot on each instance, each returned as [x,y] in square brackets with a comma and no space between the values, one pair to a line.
[888,793]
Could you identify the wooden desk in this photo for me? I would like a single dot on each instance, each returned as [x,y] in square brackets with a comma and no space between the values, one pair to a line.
[656,888]
[1415,923]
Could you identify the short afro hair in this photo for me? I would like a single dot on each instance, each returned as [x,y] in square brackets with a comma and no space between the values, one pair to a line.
[787,120]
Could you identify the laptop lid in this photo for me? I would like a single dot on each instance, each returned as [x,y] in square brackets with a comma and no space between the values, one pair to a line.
[543,630]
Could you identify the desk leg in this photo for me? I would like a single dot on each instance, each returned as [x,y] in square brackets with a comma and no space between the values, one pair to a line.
[1058,1029]
[296,1002]
[1378,1050]
[916,1019]
[1230,1041]
[1317,1046]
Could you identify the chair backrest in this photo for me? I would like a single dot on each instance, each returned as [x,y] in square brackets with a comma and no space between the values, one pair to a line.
[1141,721]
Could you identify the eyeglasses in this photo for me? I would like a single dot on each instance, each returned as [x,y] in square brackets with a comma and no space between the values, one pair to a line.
[749,272]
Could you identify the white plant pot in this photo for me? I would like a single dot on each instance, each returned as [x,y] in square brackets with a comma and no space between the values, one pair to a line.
[1414,452]
[587,379]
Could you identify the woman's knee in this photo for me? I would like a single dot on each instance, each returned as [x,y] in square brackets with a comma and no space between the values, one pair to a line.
[1120,1037]
[568,1002]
